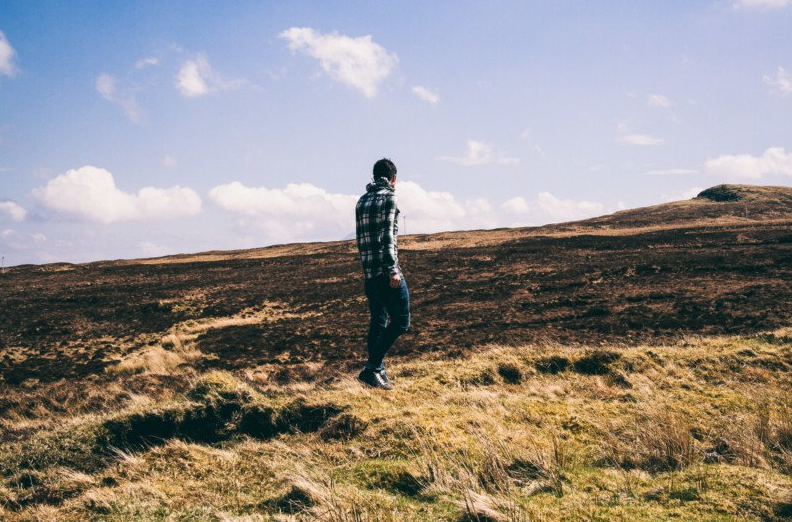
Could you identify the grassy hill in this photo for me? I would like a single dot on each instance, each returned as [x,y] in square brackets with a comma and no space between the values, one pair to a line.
[627,367]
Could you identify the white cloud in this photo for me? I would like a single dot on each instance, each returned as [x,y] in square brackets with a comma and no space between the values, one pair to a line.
[565,209]
[681,196]
[297,199]
[516,205]
[90,193]
[429,211]
[546,208]
[425,94]
[782,81]
[671,172]
[658,100]
[304,212]
[197,78]
[775,160]
[13,209]
[760,4]
[297,212]
[146,62]
[191,81]
[358,62]
[107,86]
[639,139]
[479,153]
[7,54]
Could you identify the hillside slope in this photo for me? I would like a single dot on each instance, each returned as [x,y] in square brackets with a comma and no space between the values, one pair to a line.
[577,371]
[686,269]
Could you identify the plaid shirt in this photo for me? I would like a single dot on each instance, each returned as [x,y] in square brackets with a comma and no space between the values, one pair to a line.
[377,218]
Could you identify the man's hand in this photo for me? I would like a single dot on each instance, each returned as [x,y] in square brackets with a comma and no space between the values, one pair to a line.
[395,280]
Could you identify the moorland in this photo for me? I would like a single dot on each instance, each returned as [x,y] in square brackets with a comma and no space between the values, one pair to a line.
[633,366]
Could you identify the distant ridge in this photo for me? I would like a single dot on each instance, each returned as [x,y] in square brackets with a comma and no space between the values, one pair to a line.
[720,205]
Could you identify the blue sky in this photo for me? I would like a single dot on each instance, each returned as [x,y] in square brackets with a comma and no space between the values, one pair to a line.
[132,129]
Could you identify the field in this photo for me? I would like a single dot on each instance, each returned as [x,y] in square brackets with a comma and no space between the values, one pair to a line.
[629,367]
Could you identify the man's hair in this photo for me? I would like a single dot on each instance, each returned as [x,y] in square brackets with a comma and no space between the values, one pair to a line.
[384,168]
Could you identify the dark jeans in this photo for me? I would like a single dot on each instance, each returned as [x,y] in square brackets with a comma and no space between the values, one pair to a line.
[390,317]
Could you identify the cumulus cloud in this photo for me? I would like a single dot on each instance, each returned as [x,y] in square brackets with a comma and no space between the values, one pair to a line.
[302,211]
[298,211]
[13,209]
[7,55]
[429,211]
[479,153]
[775,160]
[357,62]
[639,139]
[90,193]
[197,78]
[190,80]
[425,94]
[107,86]
[516,205]
[297,199]
[782,81]
[549,208]
[760,4]
[658,100]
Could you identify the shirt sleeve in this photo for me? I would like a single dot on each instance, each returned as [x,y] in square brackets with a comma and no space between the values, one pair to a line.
[390,251]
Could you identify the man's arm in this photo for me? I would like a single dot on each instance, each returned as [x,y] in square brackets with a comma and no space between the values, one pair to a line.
[390,256]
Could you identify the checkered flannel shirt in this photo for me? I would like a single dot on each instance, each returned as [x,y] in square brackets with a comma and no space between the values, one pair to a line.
[377,219]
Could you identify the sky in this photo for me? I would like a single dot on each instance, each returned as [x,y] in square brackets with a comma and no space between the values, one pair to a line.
[143,128]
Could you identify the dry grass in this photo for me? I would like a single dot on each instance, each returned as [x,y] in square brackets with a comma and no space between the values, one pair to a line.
[178,347]
[618,433]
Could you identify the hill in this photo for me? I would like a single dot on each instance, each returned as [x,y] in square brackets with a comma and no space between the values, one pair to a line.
[625,367]
[702,266]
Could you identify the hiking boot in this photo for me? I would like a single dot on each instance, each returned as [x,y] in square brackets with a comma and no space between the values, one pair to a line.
[374,380]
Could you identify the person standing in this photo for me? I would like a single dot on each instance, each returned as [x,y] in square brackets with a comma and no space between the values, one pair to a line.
[376,217]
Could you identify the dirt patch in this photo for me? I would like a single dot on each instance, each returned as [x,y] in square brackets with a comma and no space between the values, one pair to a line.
[510,373]
[344,426]
[552,365]
[597,362]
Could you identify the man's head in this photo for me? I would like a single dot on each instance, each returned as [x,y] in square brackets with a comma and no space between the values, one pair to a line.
[385,168]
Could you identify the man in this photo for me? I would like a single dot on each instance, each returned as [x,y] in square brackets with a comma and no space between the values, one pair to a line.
[377,216]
